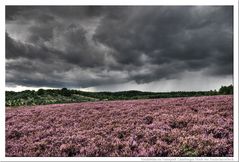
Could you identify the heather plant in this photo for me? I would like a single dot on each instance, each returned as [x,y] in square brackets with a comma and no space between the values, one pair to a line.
[193,126]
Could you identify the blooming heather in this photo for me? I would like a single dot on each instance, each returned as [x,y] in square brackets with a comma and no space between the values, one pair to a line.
[193,126]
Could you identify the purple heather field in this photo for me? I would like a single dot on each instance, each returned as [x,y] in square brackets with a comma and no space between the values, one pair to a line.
[187,126]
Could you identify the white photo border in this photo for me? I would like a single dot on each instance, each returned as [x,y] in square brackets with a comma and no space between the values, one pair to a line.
[233,3]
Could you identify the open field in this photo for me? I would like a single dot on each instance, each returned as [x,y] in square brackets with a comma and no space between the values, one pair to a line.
[187,126]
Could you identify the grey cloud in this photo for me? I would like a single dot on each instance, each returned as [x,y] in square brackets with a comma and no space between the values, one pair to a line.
[142,44]
[16,49]
[40,34]
[56,74]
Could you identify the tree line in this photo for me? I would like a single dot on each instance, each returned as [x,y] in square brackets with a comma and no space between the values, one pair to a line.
[64,95]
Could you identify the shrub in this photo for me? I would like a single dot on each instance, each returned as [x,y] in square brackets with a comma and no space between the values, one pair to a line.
[178,124]
[14,134]
[188,151]
[148,120]
[68,150]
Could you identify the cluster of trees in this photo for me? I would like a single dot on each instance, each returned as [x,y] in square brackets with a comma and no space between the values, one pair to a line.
[42,97]
[226,90]
[64,95]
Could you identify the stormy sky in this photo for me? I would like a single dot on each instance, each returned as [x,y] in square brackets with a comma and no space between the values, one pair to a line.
[114,48]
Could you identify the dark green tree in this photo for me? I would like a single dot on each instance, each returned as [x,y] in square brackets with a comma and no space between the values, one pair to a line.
[226,89]
[65,92]
[40,92]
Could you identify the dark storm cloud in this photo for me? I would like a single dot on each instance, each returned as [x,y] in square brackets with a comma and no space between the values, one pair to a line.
[45,13]
[184,38]
[84,46]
